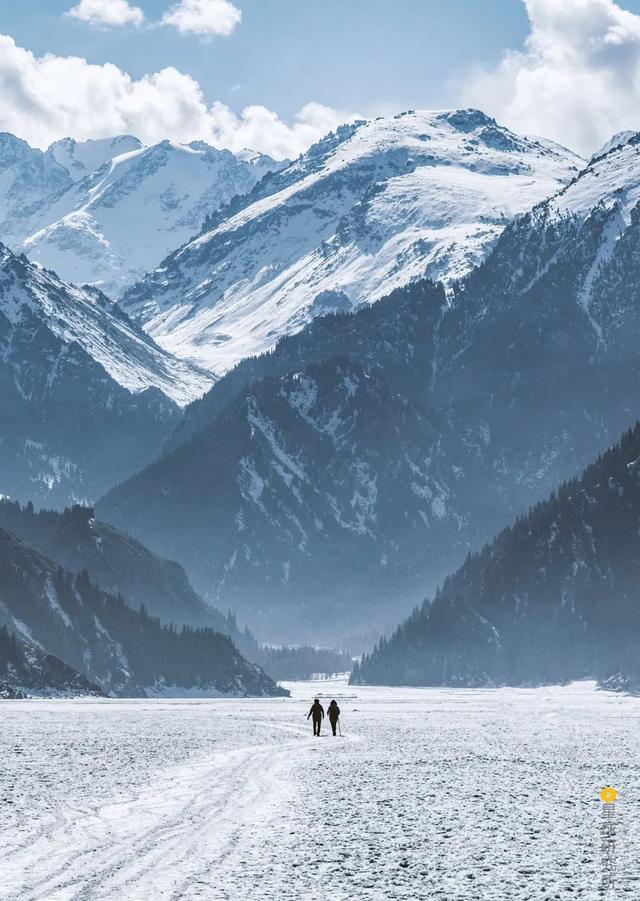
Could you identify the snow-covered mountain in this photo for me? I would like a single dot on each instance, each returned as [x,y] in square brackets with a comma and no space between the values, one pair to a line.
[104,212]
[85,317]
[336,480]
[26,177]
[83,158]
[86,397]
[618,140]
[368,209]
[577,247]
[610,179]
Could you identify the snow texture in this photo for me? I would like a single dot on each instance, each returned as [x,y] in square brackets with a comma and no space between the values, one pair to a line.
[368,209]
[105,212]
[85,317]
[430,794]
[612,178]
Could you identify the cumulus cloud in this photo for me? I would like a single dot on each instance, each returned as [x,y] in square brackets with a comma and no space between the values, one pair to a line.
[577,80]
[50,97]
[258,128]
[107,12]
[203,17]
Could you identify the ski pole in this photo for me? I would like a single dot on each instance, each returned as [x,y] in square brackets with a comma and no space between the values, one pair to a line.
[339,727]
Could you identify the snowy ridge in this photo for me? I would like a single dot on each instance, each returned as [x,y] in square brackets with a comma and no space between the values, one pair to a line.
[81,158]
[612,178]
[618,140]
[26,177]
[86,318]
[583,224]
[368,209]
[104,212]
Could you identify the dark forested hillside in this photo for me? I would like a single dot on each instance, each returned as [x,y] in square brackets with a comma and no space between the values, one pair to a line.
[116,562]
[26,670]
[555,597]
[119,564]
[125,651]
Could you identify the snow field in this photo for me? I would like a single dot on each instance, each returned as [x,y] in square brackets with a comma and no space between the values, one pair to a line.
[443,794]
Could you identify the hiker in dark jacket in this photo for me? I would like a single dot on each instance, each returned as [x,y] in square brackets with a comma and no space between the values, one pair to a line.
[333,713]
[317,712]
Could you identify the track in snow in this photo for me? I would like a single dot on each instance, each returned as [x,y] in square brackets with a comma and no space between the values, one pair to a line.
[431,794]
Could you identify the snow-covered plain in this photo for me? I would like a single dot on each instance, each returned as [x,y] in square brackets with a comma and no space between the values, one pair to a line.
[472,795]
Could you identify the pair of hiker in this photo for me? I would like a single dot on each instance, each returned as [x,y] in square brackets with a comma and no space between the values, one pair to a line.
[317,715]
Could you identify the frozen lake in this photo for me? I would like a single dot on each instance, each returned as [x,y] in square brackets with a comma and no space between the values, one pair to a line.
[479,795]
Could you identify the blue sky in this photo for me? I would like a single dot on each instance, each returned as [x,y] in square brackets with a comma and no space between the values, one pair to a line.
[363,55]
[288,70]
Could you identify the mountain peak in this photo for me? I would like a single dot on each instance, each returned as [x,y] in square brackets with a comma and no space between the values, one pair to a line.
[81,158]
[611,178]
[106,211]
[370,207]
[614,143]
[469,119]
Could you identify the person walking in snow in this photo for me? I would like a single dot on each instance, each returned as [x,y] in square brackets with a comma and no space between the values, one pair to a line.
[317,712]
[333,713]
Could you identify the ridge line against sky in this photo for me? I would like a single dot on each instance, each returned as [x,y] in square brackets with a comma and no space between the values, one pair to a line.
[161,69]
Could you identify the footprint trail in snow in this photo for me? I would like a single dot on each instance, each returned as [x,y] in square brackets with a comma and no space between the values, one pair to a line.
[430,793]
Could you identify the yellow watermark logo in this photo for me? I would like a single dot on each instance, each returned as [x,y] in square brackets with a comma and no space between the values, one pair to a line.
[608,795]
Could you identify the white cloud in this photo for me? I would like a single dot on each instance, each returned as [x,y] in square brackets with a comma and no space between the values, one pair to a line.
[107,12]
[204,17]
[50,97]
[577,79]
[260,128]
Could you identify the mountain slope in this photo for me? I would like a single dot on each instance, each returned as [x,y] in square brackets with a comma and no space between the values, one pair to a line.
[125,652]
[85,396]
[105,212]
[297,498]
[26,670]
[119,564]
[86,318]
[369,208]
[355,466]
[27,176]
[75,540]
[83,158]
[553,598]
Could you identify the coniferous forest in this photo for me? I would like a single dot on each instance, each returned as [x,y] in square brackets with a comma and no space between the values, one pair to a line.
[554,597]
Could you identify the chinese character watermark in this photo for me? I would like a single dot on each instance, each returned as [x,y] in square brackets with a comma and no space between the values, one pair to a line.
[608,797]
